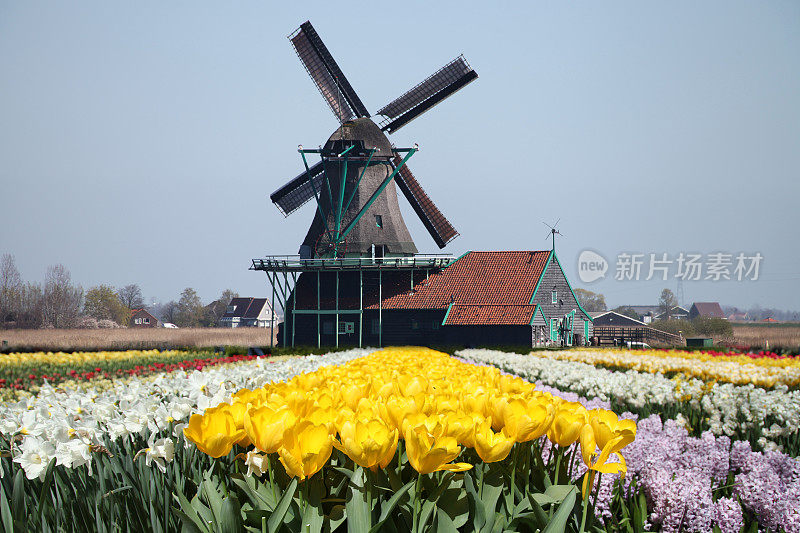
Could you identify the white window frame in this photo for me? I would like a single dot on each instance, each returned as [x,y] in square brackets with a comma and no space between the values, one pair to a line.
[554,296]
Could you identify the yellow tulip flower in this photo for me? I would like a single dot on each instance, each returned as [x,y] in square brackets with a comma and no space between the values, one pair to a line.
[214,432]
[369,444]
[305,449]
[567,423]
[589,450]
[265,427]
[527,420]
[491,446]
[427,453]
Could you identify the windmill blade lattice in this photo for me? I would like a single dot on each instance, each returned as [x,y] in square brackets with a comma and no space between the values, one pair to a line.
[434,221]
[297,192]
[329,78]
[431,91]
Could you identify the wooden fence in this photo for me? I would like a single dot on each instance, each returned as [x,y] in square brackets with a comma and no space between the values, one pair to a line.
[621,335]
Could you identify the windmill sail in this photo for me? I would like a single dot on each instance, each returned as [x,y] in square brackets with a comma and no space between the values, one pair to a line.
[298,191]
[330,80]
[435,88]
[434,221]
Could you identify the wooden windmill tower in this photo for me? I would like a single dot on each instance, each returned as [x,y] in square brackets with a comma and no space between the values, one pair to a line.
[353,182]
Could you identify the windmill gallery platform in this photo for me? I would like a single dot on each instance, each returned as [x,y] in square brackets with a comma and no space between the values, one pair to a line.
[359,280]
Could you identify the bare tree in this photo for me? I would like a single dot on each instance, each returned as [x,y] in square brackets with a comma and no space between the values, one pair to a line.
[10,289]
[169,312]
[131,296]
[62,299]
[30,314]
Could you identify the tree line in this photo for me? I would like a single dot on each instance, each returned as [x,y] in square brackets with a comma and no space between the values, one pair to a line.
[59,303]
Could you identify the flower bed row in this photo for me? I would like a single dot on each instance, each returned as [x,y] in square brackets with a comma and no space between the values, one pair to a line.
[99,378]
[768,419]
[23,370]
[740,370]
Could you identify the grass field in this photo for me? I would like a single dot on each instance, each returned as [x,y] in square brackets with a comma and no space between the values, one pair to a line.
[786,335]
[125,339]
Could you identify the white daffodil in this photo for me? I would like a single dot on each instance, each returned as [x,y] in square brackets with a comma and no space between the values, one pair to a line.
[160,452]
[256,463]
[34,457]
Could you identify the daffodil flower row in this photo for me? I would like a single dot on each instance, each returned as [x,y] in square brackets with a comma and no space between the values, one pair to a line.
[436,404]
[738,370]
[731,409]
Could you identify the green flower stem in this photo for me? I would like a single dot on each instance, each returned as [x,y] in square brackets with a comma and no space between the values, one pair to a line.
[560,454]
[415,517]
[589,473]
[514,461]
[271,477]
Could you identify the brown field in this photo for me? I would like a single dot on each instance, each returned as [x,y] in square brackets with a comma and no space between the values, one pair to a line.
[128,339]
[785,335]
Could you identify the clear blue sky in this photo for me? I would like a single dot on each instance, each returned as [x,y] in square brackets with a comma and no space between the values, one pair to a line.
[139,142]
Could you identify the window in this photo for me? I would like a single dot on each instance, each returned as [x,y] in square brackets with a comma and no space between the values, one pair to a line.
[435,324]
[346,327]
[553,329]
[138,321]
[146,320]
[379,221]
[231,308]
[414,323]
[376,326]
[554,295]
[327,327]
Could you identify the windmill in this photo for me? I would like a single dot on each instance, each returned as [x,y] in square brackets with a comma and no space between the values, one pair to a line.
[553,232]
[353,183]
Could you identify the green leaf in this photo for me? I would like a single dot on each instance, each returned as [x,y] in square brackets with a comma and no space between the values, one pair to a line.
[230,520]
[5,512]
[276,518]
[425,514]
[444,524]
[18,498]
[558,523]
[389,506]
[479,519]
[189,525]
[356,505]
[46,484]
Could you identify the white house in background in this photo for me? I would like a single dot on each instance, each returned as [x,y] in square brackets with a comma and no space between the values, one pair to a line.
[247,312]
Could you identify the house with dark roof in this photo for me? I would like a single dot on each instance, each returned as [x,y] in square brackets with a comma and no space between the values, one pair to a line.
[481,299]
[646,312]
[247,312]
[676,313]
[142,318]
[706,309]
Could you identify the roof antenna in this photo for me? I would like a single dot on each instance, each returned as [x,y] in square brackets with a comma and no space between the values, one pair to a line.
[553,232]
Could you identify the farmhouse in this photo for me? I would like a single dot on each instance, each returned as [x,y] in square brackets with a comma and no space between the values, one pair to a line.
[706,309]
[676,313]
[519,298]
[247,312]
[141,318]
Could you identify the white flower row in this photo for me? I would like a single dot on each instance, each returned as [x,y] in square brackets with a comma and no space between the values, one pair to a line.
[66,423]
[741,370]
[731,408]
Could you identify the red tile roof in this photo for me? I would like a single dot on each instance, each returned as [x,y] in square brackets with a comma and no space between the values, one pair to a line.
[495,315]
[477,278]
